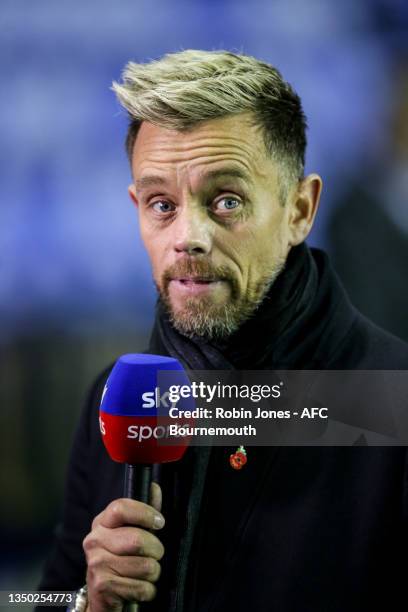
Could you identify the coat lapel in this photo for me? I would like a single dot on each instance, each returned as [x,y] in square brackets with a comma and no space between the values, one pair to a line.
[228,501]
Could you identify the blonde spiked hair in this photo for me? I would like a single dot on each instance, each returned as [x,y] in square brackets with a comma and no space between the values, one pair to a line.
[183,89]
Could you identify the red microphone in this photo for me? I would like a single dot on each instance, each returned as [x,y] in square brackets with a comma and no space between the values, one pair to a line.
[135,419]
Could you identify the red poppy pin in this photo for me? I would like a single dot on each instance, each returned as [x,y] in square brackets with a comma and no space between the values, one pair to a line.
[238,459]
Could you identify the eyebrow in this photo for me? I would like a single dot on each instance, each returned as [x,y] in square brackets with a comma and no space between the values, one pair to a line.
[152,180]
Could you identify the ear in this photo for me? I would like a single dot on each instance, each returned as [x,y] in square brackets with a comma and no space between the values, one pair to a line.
[132,195]
[304,207]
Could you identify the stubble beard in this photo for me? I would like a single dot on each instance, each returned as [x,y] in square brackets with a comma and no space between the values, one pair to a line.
[201,317]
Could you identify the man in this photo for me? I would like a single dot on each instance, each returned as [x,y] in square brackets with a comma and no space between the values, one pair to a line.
[217,143]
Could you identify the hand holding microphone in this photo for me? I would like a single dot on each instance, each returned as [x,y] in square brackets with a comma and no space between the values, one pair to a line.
[123,554]
[122,550]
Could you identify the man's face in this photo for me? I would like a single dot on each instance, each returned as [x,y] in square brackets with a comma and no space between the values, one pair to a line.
[211,220]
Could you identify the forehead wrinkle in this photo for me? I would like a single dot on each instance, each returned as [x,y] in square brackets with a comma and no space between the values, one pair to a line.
[228,168]
[186,143]
[194,151]
[232,135]
[212,140]
[205,149]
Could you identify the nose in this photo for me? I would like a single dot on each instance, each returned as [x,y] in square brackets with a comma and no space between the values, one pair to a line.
[193,233]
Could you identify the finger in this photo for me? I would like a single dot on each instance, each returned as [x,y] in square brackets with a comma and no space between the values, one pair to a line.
[156,496]
[141,568]
[110,592]
[123,541]
[129,512]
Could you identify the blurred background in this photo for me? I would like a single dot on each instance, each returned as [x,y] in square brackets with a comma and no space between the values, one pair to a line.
[75,286]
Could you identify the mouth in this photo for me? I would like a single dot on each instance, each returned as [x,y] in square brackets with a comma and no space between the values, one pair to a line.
[195,285]
[196,279]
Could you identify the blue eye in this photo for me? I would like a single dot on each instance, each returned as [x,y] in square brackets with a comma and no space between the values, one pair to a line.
[162,206]
[227,203]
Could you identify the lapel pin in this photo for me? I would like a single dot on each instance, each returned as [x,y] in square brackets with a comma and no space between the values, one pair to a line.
[238,459]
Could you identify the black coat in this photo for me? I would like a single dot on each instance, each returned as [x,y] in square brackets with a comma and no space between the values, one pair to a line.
[311,529]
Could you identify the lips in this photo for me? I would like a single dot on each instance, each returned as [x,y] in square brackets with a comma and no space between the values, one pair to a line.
[196,279]
[190,286]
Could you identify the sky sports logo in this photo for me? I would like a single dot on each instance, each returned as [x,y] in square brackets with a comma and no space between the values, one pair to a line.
[155,399]
[144,432]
